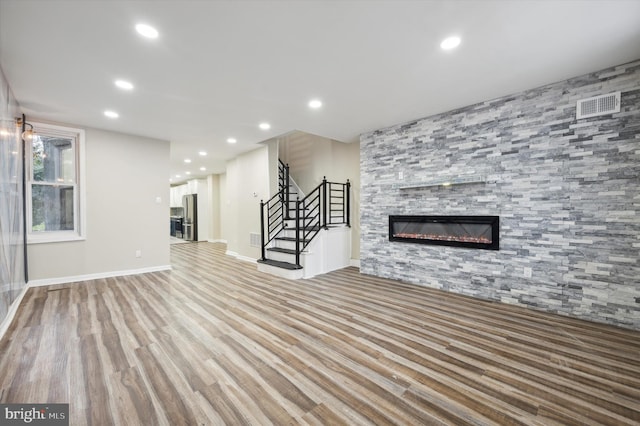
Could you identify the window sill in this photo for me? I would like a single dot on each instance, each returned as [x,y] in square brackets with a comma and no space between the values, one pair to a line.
[48,238]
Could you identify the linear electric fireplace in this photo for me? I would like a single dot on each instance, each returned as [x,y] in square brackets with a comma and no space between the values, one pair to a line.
[480,232]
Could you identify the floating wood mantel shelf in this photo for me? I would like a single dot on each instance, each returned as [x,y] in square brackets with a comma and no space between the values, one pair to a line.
[443,181]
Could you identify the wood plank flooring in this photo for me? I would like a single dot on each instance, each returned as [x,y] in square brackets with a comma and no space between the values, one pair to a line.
[215,342]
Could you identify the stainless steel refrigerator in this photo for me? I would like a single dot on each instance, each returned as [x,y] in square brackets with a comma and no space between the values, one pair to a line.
[190,221]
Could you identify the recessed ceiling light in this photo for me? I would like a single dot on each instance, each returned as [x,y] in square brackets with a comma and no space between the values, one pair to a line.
[111,114]
[202,169]
[187,173]
[202,153]
[178,176]
[147,31]
[125,85]
[315,103]
[265,126]
[187,160]
[232,140]
[450,43]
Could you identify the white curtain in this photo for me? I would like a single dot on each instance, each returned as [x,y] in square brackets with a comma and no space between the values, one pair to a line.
[12,277]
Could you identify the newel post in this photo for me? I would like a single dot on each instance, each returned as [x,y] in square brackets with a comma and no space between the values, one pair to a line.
[262,230]
[324,202]
[348,196]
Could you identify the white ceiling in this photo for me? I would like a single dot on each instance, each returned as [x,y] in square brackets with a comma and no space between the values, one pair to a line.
[219,68]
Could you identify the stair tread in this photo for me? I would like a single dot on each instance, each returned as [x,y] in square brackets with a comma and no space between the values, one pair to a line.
[310,228]
[290,239]
[281,250]
[278,264]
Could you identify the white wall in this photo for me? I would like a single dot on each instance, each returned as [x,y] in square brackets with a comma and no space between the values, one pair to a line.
[308,156]
[124,176]
[223,211]
[247,182]
[272,148]
[213,182]
[230,207]
[345,164]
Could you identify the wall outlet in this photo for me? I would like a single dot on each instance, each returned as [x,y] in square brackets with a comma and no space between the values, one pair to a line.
[528,272]
[138,253]
[158,200]
[400,175]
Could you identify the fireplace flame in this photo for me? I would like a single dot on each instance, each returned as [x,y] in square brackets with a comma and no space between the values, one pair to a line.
[437,237]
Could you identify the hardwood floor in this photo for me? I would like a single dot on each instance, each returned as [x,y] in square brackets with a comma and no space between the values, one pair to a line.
[215,342]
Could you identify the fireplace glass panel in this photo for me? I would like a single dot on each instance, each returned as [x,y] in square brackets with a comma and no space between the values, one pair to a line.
[463,231]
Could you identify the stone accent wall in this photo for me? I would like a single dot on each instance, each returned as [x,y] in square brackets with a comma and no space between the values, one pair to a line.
[567,192]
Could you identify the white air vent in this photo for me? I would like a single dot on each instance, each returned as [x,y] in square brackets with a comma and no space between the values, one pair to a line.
[254,239]
[598,105]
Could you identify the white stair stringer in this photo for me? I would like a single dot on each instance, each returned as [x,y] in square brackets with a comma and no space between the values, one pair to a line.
[330,250]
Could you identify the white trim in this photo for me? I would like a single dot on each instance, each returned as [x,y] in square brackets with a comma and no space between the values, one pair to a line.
[247,259]
[217,241]
[50,237]
[79,232]
[240,257]
[13,309]
[82,183]
[100,275]
[355,262]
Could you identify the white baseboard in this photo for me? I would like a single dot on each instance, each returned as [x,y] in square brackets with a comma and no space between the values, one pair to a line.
[4,326]
[217,241]
[355,262]
[240,257]
[100,275]
[247,259]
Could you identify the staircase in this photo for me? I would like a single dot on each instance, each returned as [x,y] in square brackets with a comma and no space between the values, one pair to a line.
[305,235]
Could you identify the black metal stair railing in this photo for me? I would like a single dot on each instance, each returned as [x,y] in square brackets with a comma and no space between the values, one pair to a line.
[271,221]
[338,203]
[328,204]
[276,209]
[284,187]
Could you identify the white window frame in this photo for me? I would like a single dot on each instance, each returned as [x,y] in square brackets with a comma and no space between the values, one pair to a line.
[79,197]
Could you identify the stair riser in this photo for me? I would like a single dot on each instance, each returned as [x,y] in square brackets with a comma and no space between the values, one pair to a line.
[291,233]
[291,245]
[281,257]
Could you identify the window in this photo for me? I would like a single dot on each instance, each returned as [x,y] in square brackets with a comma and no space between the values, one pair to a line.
[55,196]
